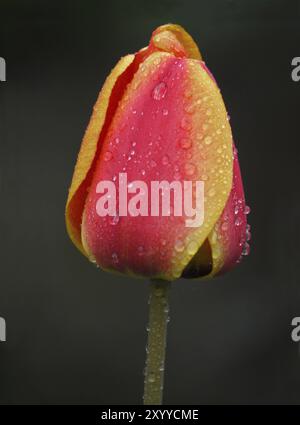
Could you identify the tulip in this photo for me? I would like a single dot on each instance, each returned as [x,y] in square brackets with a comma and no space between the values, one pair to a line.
[160,116]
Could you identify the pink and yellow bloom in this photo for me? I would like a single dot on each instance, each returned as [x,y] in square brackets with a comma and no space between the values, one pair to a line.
[160,116]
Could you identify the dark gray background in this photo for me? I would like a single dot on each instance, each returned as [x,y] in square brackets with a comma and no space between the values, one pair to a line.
[76,334]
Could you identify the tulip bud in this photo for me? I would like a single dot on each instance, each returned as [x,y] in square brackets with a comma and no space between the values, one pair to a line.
[159,118]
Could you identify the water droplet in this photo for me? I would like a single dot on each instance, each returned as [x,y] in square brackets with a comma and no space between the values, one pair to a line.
[185,143]
[165,112]
[190,169]
[236,209]
[247,210]
[208,112]
[199,136]
[190,108]
[159,91]
[114,220]
[246,249]
[216,252]
[179,246]
[192,247]
[165,160]
[140,250]
[143,172]
[238,221]
[248,234]
[224,226]
[188,93]
[115,258]
[107,156]
[152,163]
[151,378]
[208,140]
[211,192]
[186,123]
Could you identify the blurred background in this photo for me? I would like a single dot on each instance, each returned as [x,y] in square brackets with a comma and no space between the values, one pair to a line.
[77,335]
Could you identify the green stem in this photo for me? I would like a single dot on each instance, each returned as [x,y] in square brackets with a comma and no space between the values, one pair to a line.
[156,347]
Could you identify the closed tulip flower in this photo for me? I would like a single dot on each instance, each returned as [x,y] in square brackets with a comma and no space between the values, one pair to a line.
[159,124]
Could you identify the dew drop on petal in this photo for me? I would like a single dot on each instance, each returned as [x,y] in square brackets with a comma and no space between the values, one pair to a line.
[159,91]
[185,143]
[208,140]
[238,221]
[165,160]
[115,258]
[107,156]
[211,192]
[246,249]
[179,246]
[192,247]
[189,169]
[247,210]
[224,226]
[114,220]
[186,124]
[140,250]
[248,234]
